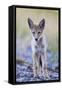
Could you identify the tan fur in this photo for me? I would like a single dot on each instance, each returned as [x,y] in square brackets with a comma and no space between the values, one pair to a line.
[39,48]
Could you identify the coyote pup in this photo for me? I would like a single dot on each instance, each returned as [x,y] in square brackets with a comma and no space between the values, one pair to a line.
[39,48]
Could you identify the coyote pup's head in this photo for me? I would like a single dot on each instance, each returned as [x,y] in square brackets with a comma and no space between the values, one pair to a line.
[36,30]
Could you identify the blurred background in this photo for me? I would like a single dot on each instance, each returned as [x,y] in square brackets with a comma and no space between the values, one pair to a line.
[23,34]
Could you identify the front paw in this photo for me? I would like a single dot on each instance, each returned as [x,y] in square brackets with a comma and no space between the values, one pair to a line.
[46,77]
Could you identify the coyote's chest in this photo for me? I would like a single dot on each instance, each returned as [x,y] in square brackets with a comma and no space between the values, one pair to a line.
[38,47]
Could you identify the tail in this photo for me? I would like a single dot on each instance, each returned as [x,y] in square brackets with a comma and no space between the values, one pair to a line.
[40,61]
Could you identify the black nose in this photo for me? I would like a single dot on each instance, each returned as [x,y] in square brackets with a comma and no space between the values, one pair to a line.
[36,39]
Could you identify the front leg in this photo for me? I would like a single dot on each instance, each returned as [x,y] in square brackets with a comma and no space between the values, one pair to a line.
[34,65]
[38,65]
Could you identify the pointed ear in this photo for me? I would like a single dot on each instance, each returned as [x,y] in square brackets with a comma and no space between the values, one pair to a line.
[42,24]
[30,22]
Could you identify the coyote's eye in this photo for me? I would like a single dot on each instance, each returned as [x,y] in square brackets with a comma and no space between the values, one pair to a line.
[33,32]
[39,32]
